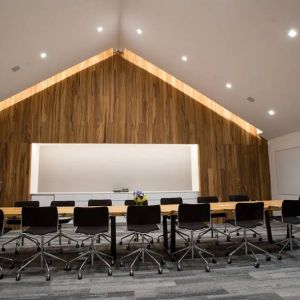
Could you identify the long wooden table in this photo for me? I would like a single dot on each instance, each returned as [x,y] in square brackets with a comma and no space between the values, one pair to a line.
[166,211]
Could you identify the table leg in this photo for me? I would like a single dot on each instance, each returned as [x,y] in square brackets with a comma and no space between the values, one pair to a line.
[113,248]
[165,232]
[173,233]
[268,226]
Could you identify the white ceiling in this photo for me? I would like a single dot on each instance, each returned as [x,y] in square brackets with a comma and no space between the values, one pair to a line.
[243,42]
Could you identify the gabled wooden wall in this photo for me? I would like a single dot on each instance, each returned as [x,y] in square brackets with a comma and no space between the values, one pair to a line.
[115,101]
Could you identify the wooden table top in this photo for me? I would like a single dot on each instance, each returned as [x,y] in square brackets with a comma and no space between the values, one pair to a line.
[120,210]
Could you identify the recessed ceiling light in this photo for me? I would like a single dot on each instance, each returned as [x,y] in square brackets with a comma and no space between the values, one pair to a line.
[43,55]
[292,33]
[271,112]
[184,58]
[228,85]
[139,31]
[100,29]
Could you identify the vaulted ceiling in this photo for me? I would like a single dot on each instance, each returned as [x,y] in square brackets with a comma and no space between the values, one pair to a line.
[243,42]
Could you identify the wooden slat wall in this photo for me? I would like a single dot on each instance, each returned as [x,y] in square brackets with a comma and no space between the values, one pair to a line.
[115,101]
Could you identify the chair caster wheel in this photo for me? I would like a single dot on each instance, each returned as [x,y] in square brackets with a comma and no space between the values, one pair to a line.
[254,234]
[121,264]
[18,277]
[77,245]
[268,258]
[38,249]
[279,257]
[178,267]
[135,239]
[229,261]
[120,243]
[163,262]
[213,260]
[237,233]
[49,244]
[67,267]
[112,263]
[48,277]
[148,246]
[207,268]
[128,247]
[17,252]
[1,276]
[49,262]
[198,241]
[228,239]
[256,265]
[260,239]
[217,243]
[79,276]
[160,270]
[131,273]
[3,249]
[109,272]
[140,258]
[82,244]
[69,242]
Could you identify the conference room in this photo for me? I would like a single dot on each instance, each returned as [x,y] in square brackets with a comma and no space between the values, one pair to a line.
[149,149]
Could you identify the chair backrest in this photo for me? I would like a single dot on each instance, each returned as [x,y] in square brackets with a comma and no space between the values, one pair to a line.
[27,203]
[290,208]
[194,213]
[62,203]
[238,198]
[249,211]
[143,215]
[166,201]
[132,202]
[45,216]
[91,216]
[100,202]
[207,199]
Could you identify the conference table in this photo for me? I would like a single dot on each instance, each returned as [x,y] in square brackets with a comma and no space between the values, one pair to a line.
[167,211]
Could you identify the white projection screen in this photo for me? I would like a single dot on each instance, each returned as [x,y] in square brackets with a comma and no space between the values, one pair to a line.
[74,168]
[288,171]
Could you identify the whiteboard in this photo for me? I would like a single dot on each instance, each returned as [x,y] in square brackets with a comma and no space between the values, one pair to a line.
[81,168]
[288,171]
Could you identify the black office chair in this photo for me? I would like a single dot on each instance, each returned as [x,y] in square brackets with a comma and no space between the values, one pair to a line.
[3,231]
[170,201]
[92,221]
[61,221]
[290,215]
[142,220]
[248,216]
[99,202]
[135,236]
[18,222]
[214,231]
[194,217]
[40,221]
[241,198]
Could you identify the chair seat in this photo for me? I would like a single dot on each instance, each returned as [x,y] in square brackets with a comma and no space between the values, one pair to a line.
[246,224]
[143,228]
[35,230]
[291,220]
[193,226]
[64,220]
[91,230]
[13,221]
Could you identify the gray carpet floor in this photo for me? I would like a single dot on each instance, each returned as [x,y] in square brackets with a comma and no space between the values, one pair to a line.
[239,280]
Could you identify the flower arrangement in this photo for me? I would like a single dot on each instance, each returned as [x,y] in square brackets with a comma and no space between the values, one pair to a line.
[139,197]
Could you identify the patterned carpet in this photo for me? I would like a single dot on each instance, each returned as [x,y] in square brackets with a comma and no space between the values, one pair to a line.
[240,280]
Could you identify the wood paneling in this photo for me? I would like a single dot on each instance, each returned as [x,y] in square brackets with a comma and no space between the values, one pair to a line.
[116,101]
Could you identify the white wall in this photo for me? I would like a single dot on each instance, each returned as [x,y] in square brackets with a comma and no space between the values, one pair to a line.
[92,168]
[283,150]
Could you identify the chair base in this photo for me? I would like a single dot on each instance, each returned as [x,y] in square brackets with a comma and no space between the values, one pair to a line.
[183,235]
[103,235]
[249,246]
[193,248]
[90,257]
[237,230]
[60,235]
[288,243]
[12,263]
[20,241]
[214,233]
[135,237]
[140,254]
[42,255]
